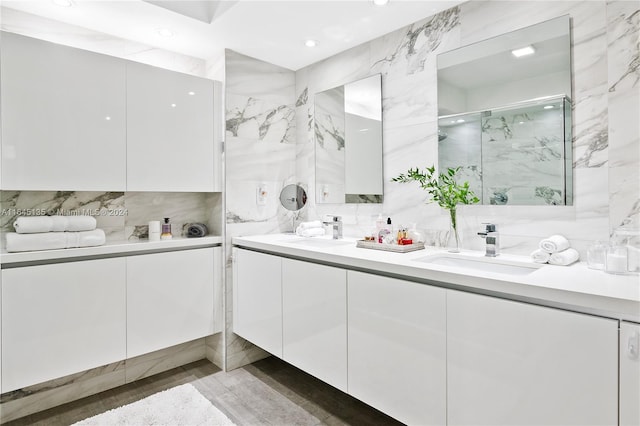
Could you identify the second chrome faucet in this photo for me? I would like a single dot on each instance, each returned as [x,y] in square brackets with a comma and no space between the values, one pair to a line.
[492,240]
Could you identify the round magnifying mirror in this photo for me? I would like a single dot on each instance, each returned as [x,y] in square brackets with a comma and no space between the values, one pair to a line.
[293,197]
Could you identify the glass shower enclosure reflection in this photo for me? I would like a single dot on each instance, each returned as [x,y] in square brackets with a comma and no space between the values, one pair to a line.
[518,154]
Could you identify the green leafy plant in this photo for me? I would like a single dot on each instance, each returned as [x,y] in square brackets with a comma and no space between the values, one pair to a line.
[444,190]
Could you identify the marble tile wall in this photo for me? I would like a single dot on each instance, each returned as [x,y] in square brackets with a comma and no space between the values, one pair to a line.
[260,151]
[606,142]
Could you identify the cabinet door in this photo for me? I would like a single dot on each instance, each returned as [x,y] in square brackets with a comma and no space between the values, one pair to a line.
[314,320]
[257,299]
[169,130]
[61,319]
[629,374]
[397,347]
[169,299]
[63,117]
[511,363]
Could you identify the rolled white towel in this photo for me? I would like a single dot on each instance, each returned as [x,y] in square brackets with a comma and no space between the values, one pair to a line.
[311,232]
[564,257]
[312,224]
[54,240]
[554,243]
[540,256]
[36,224]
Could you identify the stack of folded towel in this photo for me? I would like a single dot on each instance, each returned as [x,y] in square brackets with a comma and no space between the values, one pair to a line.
[54,232]
[555,250]
[310,229]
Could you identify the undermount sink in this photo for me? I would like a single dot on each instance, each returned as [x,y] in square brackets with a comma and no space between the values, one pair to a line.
[485,264]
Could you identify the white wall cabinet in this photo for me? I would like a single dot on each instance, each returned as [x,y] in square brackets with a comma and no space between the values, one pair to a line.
[63,124]
[170,130]
[513,363]
[169,299]
[314,320]
[397,347]
[257,299]
[60,319]
[629,374]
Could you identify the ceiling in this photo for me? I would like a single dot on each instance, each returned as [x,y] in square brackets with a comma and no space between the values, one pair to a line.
[274,31]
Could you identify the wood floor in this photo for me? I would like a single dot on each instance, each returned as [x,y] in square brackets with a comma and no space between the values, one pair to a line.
[268,392]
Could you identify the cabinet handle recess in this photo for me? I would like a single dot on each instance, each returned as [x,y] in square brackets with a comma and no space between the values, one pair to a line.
[632,345]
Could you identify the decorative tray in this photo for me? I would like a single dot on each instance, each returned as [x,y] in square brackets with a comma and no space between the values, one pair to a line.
[389,247]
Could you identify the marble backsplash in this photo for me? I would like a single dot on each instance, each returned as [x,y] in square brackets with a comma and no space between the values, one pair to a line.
[124,216]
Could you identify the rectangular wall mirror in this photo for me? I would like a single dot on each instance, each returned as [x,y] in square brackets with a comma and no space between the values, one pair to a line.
[504,115]
[348,142]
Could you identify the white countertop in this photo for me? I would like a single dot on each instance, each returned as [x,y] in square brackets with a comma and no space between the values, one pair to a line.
[112,248]
[574,287]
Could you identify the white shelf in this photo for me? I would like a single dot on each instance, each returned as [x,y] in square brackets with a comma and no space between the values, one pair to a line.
[109,249]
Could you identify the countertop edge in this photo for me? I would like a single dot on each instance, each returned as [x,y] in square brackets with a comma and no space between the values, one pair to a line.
[109,249]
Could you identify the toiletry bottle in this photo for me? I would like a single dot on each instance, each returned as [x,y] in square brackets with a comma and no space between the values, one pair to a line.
[379,225]
[384,231]
[154,230]
[166,230]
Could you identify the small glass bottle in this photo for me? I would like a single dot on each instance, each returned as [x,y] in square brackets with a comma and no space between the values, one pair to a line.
[166,230]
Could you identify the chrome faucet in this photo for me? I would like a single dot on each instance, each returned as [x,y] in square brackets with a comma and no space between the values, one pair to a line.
[336,224]
[492,239]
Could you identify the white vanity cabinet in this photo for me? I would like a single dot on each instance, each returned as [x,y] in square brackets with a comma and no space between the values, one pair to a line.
[61,318]
[63,117]
[170,130]
[314,320]
[169,298]
[257,299]
[515,363]
[397,347]
[629,374]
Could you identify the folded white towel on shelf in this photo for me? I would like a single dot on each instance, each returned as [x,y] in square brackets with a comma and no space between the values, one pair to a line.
[564,257]
[310,232]
[540,256]
[554,244]
[54,240]
[309,225]
[36,224]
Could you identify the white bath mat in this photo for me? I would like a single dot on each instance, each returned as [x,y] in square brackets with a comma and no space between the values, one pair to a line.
[179,406]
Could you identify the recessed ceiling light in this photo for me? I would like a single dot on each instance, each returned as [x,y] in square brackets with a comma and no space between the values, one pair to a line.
[380,2]
[548,106]
[165,32]
[524,51]
[173,105]
[459,120]
[310,43]
[191,93]
[63,3]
